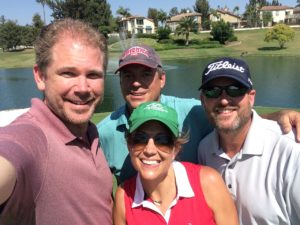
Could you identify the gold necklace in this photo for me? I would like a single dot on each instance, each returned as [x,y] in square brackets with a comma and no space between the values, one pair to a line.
[157,202]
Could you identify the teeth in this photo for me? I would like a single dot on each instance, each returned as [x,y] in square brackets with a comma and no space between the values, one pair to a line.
[80,102]
[224,110]
[150,162]
[135,94]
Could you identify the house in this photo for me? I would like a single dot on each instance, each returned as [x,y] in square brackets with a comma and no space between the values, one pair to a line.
[173,22]
[227,16]
[293,18]
[280,13]
[137,25]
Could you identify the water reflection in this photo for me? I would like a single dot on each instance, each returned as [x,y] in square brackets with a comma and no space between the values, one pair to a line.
[276,80]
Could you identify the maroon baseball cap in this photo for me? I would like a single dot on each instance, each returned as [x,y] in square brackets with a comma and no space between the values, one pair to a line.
[139,54]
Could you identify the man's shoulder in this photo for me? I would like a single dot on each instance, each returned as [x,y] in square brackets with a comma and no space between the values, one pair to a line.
[182,105]
[272,127]
[208,140]
[113,118]
[168,99]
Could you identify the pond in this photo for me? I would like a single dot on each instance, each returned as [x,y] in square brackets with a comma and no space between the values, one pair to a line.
[276,80]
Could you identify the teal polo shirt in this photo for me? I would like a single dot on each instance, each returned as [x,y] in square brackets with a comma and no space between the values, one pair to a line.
[191,118]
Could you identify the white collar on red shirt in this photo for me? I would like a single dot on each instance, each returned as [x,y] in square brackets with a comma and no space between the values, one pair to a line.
[184,188]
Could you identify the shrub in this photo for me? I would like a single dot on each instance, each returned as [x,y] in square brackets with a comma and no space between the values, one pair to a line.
[221,31]
[152,36]
[163,33]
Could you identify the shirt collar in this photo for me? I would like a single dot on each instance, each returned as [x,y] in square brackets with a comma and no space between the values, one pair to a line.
[123,113]
[253,144]
[184,188]
[46,117]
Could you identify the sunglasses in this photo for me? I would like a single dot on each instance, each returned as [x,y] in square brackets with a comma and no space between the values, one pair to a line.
[163,142]
[231,90]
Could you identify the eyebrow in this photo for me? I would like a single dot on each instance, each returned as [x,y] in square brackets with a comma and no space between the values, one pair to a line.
[61,69]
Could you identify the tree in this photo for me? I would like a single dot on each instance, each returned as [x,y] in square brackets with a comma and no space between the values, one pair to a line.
[10,35]
[162,17]
[281,33]
[298,3]
[185,10]
[173,12]
[28,35]
[37,21]
[153,14]
[2,20]
[236,10]
[43,2]
[186,25]
[221,31]
[275,2]
[202,6]
[96,12]
[124,12]
[267,18]
[252,12]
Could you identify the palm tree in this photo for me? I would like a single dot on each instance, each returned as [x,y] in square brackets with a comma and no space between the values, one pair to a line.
[186,25]
[43,2]
[123,11]
[162,17]
[236,10]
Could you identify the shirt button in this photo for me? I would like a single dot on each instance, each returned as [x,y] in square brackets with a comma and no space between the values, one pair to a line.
[229,186]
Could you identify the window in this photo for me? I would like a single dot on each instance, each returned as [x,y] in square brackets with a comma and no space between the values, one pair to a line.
[148,30]
[139,21]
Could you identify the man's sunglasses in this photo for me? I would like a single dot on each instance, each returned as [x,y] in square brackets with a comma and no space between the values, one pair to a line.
[163,142]
[231,90]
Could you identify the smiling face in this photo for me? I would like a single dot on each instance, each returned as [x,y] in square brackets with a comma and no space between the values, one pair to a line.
[74,81]
[153,160]
[228,114]
[140,84]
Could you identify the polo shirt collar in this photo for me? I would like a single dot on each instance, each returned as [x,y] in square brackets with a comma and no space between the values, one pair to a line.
[253,144]
[184,188]
[50,120]
[123,118]
[124,114]
[256,136]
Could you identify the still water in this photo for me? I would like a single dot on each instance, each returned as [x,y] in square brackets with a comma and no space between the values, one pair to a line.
[276,80]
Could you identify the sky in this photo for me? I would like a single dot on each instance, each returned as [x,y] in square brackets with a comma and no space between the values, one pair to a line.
[22,11]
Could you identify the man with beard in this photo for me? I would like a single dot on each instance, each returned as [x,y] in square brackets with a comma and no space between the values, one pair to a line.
[259,164]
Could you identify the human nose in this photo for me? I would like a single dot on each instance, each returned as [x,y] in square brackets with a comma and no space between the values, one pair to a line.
[82,84]
[224,98]
[150,148]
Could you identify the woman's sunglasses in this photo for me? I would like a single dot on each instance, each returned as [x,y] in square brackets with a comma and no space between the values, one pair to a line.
[163,142]
[231,90]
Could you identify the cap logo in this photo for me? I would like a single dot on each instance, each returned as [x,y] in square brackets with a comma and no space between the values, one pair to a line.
[156,107]
[224,65]
[135,51]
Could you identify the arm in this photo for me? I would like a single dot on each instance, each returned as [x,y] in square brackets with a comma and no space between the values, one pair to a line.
[119,208]
[218,197]
[7,179]
[286,119]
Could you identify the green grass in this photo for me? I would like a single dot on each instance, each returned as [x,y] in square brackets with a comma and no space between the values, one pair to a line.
[250,42]
[97,117]
[17,59]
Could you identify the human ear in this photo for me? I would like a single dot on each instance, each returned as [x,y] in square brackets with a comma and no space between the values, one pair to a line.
[39,78]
